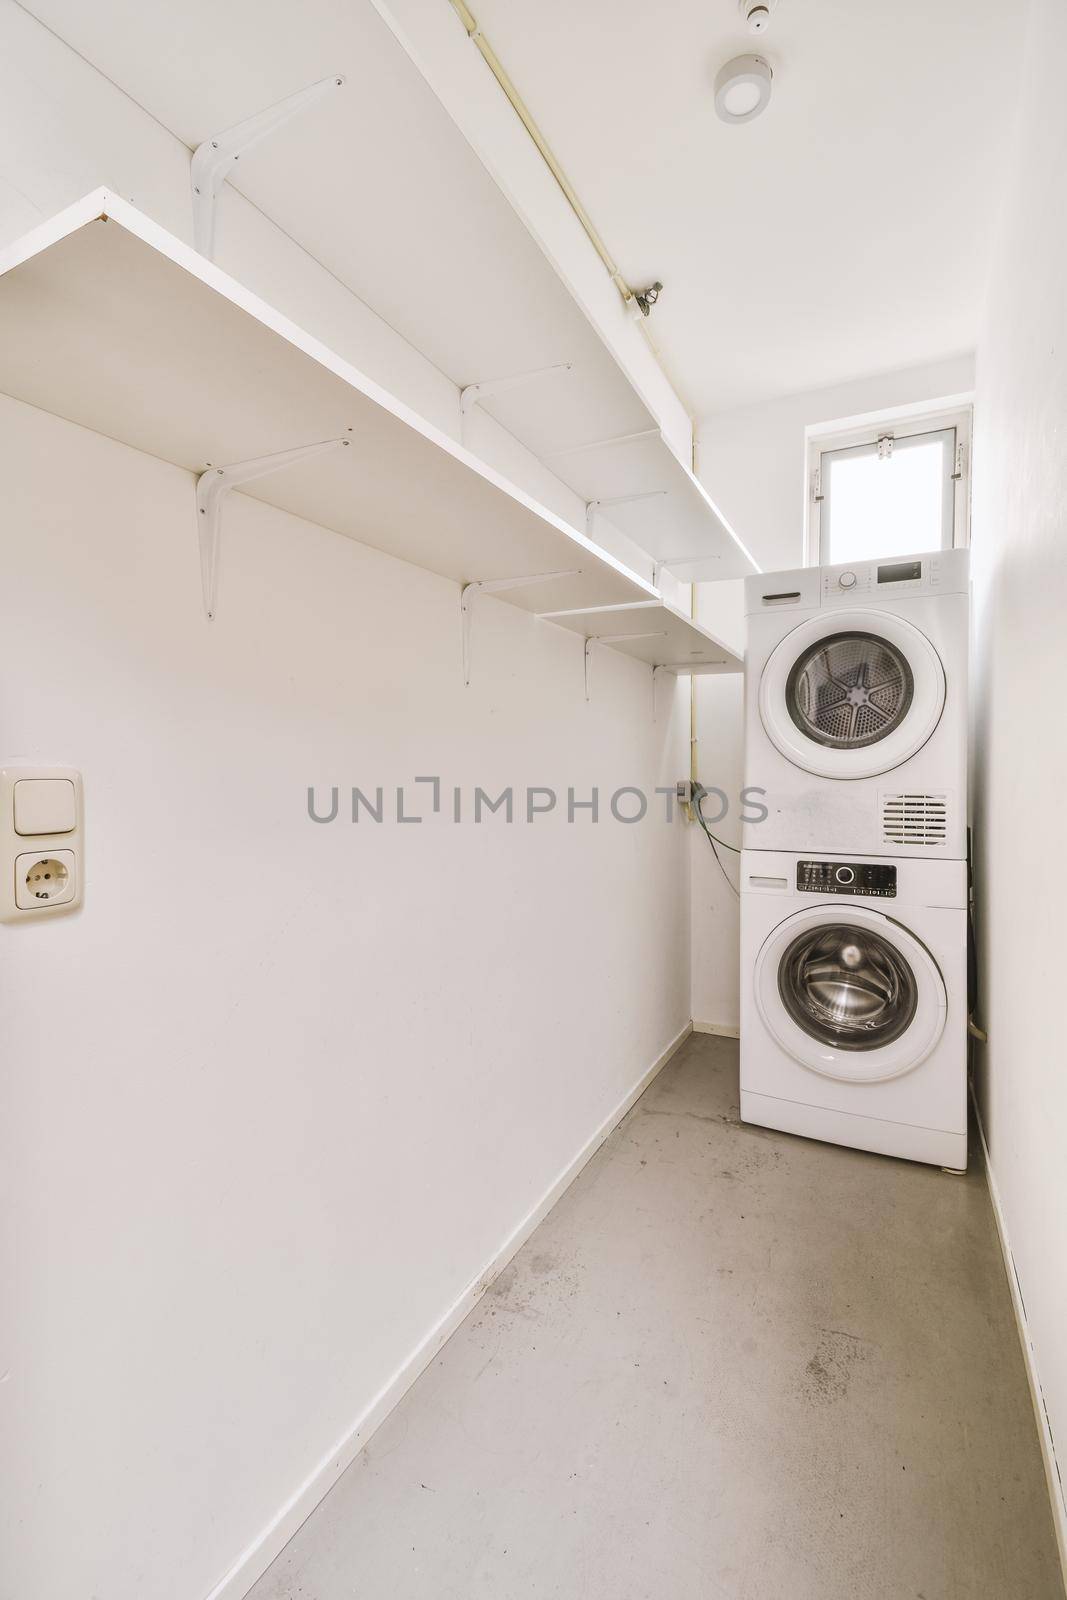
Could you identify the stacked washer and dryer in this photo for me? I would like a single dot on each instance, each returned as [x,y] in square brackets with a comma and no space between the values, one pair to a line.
[854,888]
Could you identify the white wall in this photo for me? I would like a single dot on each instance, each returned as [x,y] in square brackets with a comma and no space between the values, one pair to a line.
[754,461]
[1020,593]
[279,1093]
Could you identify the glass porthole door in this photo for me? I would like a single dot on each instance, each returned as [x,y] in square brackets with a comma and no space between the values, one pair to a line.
[850,993]
[851,695]
[847,986]
[850,690]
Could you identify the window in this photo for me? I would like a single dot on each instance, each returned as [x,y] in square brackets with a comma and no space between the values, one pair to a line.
[891,489]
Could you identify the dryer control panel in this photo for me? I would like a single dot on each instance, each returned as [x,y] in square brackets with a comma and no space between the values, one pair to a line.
[881,580]
[847,877]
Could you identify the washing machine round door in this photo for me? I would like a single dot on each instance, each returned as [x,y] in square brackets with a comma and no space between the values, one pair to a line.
[852,694]
[850,993]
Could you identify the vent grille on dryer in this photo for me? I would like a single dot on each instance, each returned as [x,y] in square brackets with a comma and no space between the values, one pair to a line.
[915,818]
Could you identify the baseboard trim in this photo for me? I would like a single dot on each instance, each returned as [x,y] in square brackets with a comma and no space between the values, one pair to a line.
[254,1561]
[1044,1432]
[724,1030]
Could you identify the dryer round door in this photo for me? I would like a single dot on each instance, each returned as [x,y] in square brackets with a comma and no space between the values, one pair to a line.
[850,993]
[852,694]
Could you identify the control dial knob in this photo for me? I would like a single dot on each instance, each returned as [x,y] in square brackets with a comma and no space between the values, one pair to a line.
[847,580]
[845,875]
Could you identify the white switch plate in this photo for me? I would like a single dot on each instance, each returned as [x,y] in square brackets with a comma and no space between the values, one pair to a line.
[40,797]
[45,805]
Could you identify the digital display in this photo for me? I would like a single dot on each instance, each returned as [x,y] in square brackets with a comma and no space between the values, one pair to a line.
[847,877]
[900,572]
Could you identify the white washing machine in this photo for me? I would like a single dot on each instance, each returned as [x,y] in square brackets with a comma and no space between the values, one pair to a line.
[854,1001]
[856,707]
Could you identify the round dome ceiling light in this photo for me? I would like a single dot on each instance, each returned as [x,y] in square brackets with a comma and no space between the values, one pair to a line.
[743,88]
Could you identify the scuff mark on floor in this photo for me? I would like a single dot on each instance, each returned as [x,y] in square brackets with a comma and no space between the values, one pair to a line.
[828,1373]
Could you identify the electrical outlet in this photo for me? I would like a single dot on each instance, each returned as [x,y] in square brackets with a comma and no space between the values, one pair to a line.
[45,880]
[42,842]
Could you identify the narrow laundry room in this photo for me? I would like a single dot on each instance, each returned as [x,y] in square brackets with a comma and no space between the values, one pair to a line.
[529,955]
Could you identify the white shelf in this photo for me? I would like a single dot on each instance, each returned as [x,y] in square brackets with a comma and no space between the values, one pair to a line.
[112,323]
[656,632]
[671,514]
[420,231]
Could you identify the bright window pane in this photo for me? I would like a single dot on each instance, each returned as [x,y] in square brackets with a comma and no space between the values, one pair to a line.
[886,508]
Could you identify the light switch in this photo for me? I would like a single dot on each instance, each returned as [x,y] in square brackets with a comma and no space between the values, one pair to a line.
[45,805]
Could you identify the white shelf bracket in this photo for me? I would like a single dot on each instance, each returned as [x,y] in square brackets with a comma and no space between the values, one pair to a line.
[694,669]
[475,393]
[213,161]
[594,506]
[683,669]
[657,672]
[667,562]
[216,482]
[610,639]
[495,586]
[603,444]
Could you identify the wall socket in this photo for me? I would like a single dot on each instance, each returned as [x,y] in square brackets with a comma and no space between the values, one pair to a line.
[42,847]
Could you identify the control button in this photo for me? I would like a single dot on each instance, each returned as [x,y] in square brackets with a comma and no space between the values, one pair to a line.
[847,580]
[845,875]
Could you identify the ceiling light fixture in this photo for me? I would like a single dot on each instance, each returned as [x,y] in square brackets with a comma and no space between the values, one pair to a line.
[743,88]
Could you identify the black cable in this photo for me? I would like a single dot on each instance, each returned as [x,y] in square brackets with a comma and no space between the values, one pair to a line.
[699,792]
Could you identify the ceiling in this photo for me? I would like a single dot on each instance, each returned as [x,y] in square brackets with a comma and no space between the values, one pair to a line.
[841,234]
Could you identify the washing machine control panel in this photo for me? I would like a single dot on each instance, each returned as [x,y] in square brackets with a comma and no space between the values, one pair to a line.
[847,877]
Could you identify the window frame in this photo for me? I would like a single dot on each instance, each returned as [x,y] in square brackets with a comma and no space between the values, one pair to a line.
[903,423]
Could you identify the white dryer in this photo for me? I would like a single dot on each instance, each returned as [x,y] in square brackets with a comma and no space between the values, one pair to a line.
[854,1001]
[856,707]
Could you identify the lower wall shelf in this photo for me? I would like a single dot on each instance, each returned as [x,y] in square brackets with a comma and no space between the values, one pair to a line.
[653,631]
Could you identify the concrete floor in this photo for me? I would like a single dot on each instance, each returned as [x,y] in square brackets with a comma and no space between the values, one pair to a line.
[731,1363]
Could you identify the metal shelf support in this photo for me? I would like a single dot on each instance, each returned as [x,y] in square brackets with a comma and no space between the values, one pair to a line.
[667,562]
[216,482]
[595,506]
[213,160]
[495,586]
[603,444]
[475,393]
[683,669]
[610,639]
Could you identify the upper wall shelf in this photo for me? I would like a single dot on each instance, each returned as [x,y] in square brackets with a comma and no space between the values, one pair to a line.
[110,322]
[438,246]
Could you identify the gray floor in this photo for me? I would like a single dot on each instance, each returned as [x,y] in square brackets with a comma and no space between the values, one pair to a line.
[731,1363]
